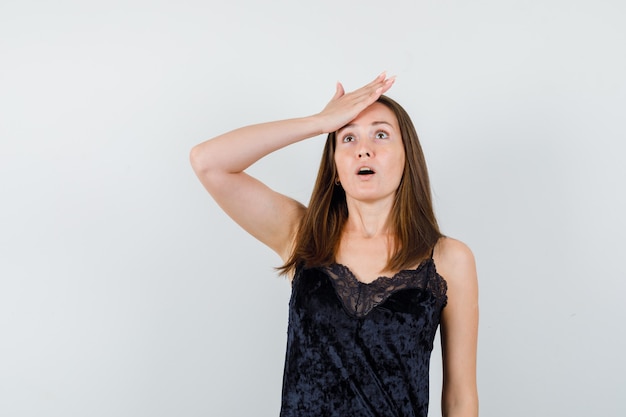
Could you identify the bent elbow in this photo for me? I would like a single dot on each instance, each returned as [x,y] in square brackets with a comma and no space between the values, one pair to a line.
[207,169]
[199,159]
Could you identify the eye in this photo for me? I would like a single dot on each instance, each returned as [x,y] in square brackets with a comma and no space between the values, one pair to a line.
[382,135]
[348,138]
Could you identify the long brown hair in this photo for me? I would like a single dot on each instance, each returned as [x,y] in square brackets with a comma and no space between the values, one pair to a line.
[412,216]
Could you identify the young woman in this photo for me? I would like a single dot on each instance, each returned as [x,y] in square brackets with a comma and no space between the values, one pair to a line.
[372,276]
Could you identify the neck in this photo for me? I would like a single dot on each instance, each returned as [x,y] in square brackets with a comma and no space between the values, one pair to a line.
[368,220]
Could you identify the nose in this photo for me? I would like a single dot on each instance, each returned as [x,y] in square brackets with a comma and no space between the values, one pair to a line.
[364,150]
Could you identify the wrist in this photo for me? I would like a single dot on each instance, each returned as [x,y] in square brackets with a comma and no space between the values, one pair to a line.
[319,124]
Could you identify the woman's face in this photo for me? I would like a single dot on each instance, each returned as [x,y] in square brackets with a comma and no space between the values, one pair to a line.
[369,155]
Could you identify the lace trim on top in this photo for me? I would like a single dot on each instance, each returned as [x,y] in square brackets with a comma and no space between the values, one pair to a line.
[359,298]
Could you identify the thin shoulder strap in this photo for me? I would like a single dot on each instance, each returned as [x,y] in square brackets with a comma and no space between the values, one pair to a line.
[432,251]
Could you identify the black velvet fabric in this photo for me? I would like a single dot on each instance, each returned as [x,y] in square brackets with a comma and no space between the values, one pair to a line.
[356,349]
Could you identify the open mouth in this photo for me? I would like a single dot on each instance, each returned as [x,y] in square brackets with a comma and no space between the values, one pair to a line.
[365,171]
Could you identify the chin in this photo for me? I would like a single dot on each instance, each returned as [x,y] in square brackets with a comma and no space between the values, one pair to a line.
[369,196]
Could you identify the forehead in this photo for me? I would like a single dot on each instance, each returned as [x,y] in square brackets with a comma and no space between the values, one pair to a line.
[375,113]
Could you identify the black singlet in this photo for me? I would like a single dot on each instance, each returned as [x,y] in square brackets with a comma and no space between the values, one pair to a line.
[356,349]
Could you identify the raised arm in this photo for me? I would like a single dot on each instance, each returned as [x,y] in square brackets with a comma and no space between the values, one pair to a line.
[459,329]
[269,216]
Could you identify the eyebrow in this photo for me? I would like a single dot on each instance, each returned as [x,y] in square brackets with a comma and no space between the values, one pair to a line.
[376,123]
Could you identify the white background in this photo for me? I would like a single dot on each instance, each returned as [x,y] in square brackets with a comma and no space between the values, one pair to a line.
[125,291]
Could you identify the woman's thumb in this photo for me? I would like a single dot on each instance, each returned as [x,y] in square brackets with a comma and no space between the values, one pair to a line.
[339,91]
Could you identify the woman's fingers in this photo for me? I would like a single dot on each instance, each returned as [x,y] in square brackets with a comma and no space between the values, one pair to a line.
[381,77]
[375,88]
[366,90]
[368,94]
[387,84]
[377,82]
[344,107]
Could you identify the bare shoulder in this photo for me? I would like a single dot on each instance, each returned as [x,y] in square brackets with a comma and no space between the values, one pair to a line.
[459,327]
[455,262]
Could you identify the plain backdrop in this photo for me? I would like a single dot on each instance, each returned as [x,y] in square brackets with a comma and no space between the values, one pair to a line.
[125,291]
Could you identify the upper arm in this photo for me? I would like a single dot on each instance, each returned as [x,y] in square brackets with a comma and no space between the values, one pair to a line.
[271,217]
[459,327]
